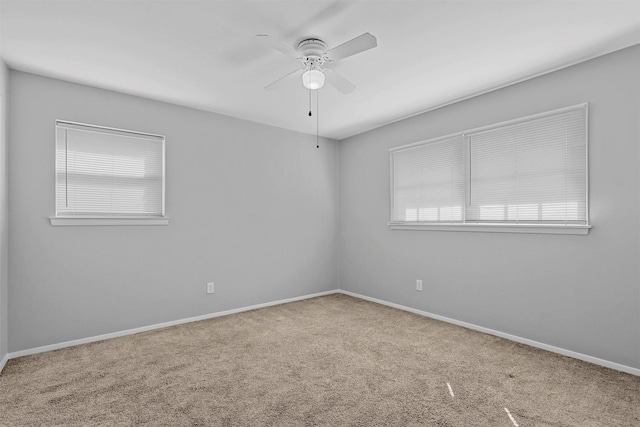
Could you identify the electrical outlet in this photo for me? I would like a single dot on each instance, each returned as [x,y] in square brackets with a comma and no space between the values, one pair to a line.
[210,288]
[418,285]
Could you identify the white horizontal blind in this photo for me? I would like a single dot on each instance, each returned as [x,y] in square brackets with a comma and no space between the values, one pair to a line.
[108,172]
[428,182]
[530,171]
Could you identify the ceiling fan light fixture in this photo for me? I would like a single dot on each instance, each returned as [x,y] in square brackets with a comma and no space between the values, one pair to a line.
[313,79]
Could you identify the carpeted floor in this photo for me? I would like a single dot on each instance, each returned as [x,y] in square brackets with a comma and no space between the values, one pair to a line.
[330,361]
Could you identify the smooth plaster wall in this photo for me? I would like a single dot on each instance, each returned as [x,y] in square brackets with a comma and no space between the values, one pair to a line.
[580,293]
[252,207]
[4,241]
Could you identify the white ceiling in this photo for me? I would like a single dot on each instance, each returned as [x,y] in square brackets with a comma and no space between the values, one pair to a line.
[204,54]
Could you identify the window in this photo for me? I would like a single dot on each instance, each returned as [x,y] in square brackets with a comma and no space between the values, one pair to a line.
[526,175]
[428,181]
[108,175]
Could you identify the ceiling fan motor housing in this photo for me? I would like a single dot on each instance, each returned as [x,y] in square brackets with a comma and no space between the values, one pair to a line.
[312,52]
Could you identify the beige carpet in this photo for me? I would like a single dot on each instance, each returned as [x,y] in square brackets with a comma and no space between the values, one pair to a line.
[332,361]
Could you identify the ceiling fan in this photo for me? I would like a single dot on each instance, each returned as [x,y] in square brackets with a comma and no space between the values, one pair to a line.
[314,57]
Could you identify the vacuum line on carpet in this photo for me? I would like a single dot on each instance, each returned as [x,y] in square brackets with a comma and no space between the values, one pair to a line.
[511,417]
[450,391]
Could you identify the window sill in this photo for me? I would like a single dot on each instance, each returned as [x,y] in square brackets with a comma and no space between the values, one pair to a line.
[73,221]
[496,228]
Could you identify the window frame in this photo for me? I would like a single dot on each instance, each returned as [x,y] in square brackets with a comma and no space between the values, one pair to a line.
[495,227]
[106,219]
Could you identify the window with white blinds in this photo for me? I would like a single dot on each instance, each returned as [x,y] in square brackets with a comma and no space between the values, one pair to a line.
[525,172]
[428,181]
[104,172]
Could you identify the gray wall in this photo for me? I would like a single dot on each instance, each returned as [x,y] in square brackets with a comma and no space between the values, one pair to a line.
[579,293]
[252,207]
[4,317]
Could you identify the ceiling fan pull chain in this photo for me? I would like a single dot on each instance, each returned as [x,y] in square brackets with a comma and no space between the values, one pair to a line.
[317,119]
[309,102]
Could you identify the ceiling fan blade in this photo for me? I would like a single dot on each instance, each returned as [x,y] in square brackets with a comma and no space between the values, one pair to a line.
[276,45]
[361,43]
[278,83]
[336,80]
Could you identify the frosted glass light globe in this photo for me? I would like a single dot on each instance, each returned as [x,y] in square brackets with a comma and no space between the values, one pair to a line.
[313,79]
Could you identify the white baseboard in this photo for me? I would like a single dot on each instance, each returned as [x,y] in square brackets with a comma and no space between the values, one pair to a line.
[558,350]
[3,361]
[553,349]
[87,340]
